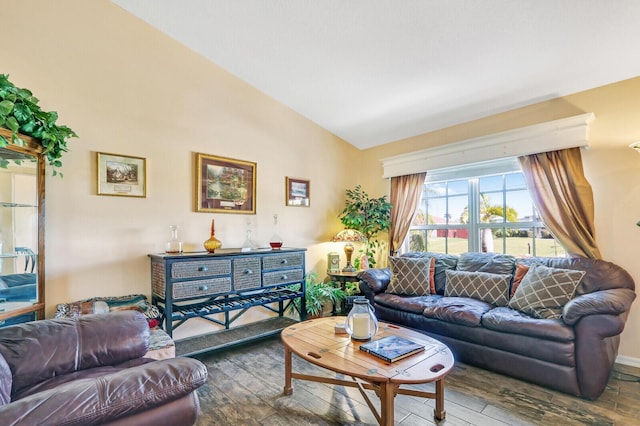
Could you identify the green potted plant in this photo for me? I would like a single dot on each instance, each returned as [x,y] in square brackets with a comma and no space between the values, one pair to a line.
[21,114]
[317,295]
[368,215]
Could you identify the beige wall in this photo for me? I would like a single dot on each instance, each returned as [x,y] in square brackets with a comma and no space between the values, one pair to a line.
[611,167]
[125,88]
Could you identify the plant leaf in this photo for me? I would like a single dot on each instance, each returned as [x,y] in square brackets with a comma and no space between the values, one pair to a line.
[6,107]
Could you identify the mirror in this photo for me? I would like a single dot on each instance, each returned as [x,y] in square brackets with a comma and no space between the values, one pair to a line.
[19,226]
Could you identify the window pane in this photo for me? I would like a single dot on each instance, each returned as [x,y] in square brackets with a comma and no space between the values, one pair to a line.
[458,187]
[515,181]
[520,206]
[437,208]
[491,183]
[491,208]
[457,209]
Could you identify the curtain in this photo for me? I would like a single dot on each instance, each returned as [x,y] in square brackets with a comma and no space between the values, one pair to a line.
[564,199]
[405,196]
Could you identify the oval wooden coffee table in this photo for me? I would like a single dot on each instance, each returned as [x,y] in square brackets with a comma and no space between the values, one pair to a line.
[316,342]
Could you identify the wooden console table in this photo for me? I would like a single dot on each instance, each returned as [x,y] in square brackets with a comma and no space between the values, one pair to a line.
[198,285]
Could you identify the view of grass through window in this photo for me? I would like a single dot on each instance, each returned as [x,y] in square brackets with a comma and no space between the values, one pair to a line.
[484,214]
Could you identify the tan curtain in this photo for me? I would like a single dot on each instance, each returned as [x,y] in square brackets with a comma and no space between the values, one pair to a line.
[405,196]
[564,198]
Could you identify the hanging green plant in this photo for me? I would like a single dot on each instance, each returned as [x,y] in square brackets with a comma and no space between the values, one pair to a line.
[21,114]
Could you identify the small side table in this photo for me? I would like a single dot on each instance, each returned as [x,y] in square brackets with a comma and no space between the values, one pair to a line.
[343,278]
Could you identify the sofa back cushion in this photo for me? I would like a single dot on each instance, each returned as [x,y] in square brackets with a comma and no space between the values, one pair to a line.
[443,262]
[38,350]
[490,288]
[493,263]
[600,274]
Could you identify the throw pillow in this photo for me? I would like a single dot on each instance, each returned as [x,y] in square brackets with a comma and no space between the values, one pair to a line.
[490,288]
[409,276]
[521,271]
[544,291]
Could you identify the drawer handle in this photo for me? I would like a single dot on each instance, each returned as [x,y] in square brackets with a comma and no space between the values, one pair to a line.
[284,261]
[248,272]
[284,277]
[204,288]
[203,269]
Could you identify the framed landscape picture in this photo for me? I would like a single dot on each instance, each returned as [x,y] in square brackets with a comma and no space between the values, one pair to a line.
[121,175]
[225,185]
[297,192]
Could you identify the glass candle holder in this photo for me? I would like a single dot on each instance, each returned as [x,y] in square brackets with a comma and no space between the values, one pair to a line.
[361,323]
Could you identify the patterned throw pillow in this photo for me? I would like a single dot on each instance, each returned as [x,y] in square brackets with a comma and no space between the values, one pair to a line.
[490,288]
[544,291]
[409,276]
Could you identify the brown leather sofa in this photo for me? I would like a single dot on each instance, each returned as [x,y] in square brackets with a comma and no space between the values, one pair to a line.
[574,354]
[90,370]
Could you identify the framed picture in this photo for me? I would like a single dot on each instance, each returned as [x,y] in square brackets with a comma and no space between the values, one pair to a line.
[297,192]
[225,185]
[122,175]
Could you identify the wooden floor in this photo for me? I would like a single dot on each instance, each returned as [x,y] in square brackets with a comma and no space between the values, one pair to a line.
[245,388]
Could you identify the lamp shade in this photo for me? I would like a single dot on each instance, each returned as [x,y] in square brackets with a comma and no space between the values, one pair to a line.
[349,236]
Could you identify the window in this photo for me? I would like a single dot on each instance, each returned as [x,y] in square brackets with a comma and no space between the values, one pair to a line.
[484,212]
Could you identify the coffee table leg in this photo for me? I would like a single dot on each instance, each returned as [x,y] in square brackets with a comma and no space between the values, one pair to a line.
[387,396]
[288,389]
[439,413]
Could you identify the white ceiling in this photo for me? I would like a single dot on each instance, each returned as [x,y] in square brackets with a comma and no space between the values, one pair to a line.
[375,71]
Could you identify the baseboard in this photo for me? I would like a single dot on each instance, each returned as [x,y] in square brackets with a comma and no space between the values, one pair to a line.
[627,360]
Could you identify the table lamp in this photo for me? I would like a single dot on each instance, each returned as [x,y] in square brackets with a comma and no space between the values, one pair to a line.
[349,236]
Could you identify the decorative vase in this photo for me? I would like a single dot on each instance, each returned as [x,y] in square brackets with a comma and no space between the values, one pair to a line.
[275,241]
[174,245]
[361,323]
[212,243]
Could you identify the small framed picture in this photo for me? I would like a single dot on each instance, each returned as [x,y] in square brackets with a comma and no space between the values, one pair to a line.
[297,192]
[225,185]
[121,175]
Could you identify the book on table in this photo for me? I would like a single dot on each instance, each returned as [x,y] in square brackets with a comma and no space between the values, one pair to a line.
[392,348]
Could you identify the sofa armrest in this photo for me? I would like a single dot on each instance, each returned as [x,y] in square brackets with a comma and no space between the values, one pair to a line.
[374,281]
[104,399]
[606,302]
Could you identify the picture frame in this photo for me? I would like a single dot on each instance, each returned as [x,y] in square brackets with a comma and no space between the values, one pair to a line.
[297,192]
[121,175]
[224,185]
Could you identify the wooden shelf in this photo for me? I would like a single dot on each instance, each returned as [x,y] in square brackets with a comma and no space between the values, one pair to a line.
[224,339]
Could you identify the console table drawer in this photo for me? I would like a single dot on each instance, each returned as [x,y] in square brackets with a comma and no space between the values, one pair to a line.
[190,289]
[246,273]
[284,260]
[200,268]
[282,277]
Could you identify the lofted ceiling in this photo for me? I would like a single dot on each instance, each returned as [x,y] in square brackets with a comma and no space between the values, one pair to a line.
[376,71]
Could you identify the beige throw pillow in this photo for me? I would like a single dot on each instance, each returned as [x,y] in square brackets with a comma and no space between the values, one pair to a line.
[544,291]
[490,288]
[409,276]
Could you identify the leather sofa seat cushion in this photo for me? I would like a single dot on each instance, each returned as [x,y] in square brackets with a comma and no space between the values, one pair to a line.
[511,321]
[457,310]
[413,304]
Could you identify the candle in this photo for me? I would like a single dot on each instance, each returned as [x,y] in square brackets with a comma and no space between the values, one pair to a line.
[361,326]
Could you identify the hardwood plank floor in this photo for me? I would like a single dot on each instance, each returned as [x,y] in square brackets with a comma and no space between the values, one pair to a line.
[245,388]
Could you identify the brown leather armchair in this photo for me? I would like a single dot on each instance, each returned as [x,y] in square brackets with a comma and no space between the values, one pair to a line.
[90,370]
